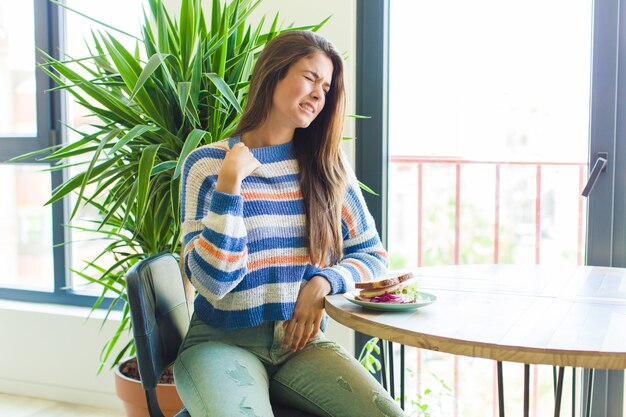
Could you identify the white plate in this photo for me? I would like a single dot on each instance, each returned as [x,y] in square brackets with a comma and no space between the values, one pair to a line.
[423,299]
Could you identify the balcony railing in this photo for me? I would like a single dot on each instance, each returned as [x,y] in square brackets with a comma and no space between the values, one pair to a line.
[458,164]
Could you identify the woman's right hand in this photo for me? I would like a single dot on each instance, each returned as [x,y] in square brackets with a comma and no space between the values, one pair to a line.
[238,164]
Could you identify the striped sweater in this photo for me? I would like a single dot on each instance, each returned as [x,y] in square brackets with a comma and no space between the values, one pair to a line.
[247,254]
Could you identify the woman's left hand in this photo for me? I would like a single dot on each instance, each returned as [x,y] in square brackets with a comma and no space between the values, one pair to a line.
[307,315]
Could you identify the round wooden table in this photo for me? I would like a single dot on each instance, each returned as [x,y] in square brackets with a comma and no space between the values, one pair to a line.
[534,314]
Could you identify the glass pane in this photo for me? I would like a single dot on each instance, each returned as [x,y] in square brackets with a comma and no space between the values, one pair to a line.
[88,245]
[18,112]
[79,38]
[496,115]
[488,137]
[26,228]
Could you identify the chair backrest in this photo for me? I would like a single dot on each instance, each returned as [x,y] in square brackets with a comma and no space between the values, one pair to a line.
[159,314]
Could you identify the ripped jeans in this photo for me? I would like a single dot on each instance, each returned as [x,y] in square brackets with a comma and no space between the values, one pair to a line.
[235,372]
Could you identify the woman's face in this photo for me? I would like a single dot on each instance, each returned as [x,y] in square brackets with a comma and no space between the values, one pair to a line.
[300,96]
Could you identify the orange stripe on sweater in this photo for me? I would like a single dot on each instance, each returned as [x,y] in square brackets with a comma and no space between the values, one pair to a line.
[358,266]
[278,260]
[348,218]
[255,195]
[383,254]
[222,256]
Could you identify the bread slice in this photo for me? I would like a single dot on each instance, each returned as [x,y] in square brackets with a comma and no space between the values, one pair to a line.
[375,292]
[386,281]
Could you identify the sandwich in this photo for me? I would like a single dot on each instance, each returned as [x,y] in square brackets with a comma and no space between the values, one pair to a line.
[392,288]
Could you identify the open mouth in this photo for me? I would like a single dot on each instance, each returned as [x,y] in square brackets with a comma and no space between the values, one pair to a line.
[307,107]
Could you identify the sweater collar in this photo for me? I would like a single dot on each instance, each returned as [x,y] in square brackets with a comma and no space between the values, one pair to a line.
[267,154]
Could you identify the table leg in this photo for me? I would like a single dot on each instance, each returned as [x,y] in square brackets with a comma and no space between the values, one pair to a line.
[402,376]
[392,382]
[526,390]
[383,365]
[500,390]
[589,394]
[573,391]
[559,392]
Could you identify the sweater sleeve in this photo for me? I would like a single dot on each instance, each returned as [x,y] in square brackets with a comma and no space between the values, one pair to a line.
[214,233]
[364,257]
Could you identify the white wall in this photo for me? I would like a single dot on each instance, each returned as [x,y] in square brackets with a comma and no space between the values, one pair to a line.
[51,351]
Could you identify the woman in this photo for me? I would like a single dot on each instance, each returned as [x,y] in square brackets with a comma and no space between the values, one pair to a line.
[273,221]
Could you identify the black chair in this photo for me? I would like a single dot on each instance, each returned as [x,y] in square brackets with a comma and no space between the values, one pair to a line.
[160,318]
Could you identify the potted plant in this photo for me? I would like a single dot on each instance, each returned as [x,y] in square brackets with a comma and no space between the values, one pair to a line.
[183,86]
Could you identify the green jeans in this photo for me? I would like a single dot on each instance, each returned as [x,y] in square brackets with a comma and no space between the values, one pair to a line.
[235,372]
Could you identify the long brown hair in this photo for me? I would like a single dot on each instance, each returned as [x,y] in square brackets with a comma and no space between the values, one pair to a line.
[322,170]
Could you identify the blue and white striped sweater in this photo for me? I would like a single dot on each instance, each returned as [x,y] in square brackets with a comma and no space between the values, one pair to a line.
[247,254]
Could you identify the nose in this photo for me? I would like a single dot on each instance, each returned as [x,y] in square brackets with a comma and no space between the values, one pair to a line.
[316,93]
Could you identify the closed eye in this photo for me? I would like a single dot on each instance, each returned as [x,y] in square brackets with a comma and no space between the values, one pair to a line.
[314,78]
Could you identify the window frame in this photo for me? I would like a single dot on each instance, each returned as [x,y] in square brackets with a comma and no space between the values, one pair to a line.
[606,213]
[372,85]
[49,26]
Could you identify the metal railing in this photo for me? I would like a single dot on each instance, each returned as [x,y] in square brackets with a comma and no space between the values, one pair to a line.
[457,163]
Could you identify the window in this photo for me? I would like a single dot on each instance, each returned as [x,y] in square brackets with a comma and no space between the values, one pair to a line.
[462,86]
[27,227]
[88,245]
[37,252]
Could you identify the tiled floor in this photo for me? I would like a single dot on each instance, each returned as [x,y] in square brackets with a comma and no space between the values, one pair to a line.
[13,406]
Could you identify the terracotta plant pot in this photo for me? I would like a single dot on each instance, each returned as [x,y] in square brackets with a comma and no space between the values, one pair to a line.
[132,395]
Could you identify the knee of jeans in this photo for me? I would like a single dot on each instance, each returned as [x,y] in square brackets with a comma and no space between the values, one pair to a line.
[192,391]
